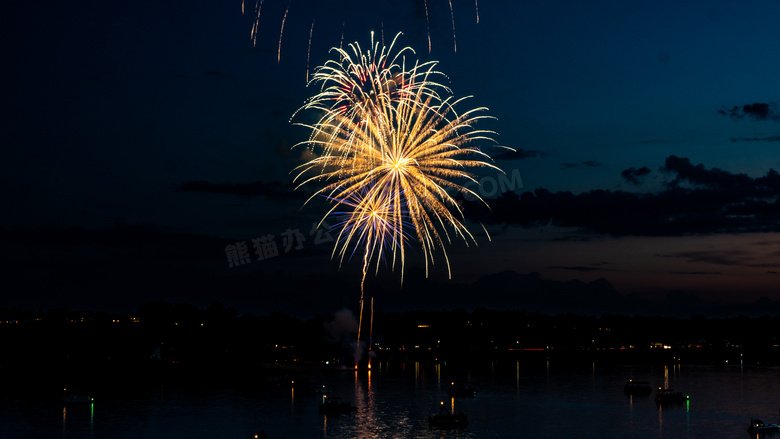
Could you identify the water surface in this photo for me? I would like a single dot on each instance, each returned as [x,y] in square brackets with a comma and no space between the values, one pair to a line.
[514,399]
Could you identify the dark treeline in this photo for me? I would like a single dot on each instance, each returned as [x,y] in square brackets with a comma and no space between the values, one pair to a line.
[163,341]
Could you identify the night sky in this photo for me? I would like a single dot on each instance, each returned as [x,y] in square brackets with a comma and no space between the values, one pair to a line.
[141,138]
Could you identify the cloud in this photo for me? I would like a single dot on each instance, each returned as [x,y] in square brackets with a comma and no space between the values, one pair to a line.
[729,258]
[216,75]
[712,178]
[573,268]
[632,175]
[695,272]
[651,141]
[718,257]
[756,139]
[58,266]
[759,111]
[764,243]
[755,111]
[519,154]
[718,202]
[587,163]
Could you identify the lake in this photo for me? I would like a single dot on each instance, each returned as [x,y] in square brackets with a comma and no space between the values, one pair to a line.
[514,399]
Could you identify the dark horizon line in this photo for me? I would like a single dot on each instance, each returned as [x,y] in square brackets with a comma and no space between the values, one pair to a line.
[15,315]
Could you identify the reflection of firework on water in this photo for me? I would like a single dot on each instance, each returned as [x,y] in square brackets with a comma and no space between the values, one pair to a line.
[258,9]
[391,157]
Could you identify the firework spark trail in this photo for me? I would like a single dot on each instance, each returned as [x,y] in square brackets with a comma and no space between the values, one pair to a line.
[308,51]
[370,334]
[256,23]
[427,25]
[486,232]
[281,31]
[259,3]
[452,15]
[358,350]
[341,42]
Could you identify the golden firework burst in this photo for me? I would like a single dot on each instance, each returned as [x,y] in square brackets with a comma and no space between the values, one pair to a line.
[391,158]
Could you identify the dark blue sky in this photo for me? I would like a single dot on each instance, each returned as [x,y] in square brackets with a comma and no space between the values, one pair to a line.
[114,106]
